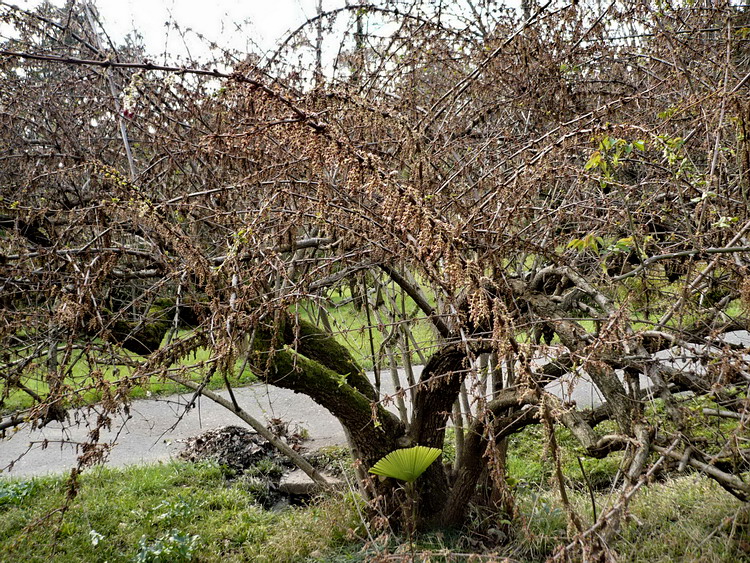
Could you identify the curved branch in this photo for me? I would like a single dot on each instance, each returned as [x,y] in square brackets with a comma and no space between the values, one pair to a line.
[277,443]
[352,8]
[373,429]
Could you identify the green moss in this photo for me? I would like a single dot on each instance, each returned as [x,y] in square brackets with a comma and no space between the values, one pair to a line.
[322,348]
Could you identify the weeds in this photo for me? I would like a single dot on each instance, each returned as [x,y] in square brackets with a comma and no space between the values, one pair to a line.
[14,493]
[156,513]
[173,547]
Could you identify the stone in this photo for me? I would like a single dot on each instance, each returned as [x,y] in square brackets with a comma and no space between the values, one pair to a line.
[298,483]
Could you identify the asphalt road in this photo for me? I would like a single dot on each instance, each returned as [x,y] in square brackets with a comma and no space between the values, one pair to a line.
[155,426]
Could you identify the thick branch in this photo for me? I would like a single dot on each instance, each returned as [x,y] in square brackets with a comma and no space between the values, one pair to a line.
[324,349]
[374,429]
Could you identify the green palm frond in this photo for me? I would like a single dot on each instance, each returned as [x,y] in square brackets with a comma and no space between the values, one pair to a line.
[406,464]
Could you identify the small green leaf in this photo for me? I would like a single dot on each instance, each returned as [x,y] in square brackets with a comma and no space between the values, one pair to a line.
[576,243]
[594,161]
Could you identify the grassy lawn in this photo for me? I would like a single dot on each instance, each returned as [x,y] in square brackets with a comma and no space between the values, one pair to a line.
[348,323]
[83,385]
[202,512]
[188,511]
[181,512]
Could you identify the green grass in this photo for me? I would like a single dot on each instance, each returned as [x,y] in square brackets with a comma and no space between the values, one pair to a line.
[688,518]
[683,518]
[349,325]
[115,509]
[83,388]
[529,464]
[119,513]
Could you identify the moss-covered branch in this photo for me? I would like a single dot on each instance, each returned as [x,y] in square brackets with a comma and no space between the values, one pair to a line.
[321,347]
[373,429]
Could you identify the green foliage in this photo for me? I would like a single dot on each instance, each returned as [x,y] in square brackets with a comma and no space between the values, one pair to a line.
[174,509]
[724,222]
[667,113]
[265,468]
[15,492]
[625,244]
[609,156]
[590,242]
[672,149]
[172,547]
[449,445]
[406,464]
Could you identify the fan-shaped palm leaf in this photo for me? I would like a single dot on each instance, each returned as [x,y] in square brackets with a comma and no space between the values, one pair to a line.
[406,464]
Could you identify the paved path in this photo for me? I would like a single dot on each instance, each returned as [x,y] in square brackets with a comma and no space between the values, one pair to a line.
[152,432]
